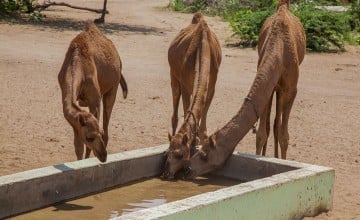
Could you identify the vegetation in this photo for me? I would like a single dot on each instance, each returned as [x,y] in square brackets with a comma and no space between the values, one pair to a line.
[16,8]
[326,31]
[10,7]
[13,8]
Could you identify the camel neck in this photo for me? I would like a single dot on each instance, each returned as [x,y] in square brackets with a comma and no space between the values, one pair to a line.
[261,90]
[71,110]
[70,91]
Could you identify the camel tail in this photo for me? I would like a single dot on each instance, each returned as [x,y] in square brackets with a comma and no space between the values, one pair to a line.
[283,2]
[202,65]
[124,87]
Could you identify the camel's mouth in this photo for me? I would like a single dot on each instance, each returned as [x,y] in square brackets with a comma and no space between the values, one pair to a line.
[101,156]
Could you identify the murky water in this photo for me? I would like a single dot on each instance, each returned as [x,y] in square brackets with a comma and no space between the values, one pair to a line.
[130,198]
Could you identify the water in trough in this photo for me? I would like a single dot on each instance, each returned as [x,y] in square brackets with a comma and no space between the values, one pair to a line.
[129,198]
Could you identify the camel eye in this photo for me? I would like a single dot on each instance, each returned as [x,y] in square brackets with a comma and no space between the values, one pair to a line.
[90,139]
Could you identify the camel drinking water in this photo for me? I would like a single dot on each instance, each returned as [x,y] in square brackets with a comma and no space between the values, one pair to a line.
[194,57]
[91,72]
[282,46]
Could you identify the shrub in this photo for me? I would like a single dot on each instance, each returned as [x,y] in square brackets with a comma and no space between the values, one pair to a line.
[325,30]
[177,5]
[247,25]
[14,7]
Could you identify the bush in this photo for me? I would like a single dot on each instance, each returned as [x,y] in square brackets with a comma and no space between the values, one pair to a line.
[354,13]
[326,31]
[210,7]
[247,25]
[14,7]
[177,5]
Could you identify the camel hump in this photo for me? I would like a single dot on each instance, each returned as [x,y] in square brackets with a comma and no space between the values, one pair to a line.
[283,2]
[89,24]
[198,35]
[91,27]
[198,16]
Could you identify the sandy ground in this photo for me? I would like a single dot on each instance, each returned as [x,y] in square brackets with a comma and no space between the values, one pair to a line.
[324,123]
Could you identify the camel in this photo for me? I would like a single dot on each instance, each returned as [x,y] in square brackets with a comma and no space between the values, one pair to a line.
[194,57]
[91,72]
[281,50]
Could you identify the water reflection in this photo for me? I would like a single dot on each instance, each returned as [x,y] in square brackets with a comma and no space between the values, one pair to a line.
[147,203]
[128,198]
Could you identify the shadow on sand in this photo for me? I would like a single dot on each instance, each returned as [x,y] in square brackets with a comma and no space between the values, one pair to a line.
[64,24]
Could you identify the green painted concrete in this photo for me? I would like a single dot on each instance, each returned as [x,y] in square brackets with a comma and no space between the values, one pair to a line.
[277,189]
[292,195]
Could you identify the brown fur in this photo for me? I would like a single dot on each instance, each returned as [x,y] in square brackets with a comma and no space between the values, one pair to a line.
[194,57]
[281,50]
[91,72]
[292,54]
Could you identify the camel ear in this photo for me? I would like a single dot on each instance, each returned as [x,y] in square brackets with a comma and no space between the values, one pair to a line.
[81,119]
[185,139]
[169,136]
[212,141]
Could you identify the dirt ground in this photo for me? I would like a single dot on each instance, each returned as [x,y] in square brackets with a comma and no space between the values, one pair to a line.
[324,123]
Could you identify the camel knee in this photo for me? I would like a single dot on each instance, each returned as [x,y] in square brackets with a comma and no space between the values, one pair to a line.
[261,138]
[284,143]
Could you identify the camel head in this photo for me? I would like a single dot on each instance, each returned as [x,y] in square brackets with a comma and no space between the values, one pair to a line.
[206,159]
[178,154]
[92,135]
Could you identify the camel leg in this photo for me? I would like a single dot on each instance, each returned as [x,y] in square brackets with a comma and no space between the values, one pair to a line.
[284,134]
[268,124]
[108,104]
[95,110]
[185,99]
[79,146]
[176,92]
[263,131]
[277,122]
[203,129]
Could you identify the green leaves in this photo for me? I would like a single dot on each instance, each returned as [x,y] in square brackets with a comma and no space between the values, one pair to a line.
[326,31]
[247,25]
[8,7]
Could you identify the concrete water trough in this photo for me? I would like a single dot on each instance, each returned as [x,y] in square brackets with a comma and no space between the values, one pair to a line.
[270,188]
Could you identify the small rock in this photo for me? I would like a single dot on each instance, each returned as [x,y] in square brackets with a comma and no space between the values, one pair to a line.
[52,140]
[338,69]
[154,97]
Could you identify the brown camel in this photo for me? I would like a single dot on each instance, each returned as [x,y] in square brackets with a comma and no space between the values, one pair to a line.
[194,58]
[281,50]
[91,71]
